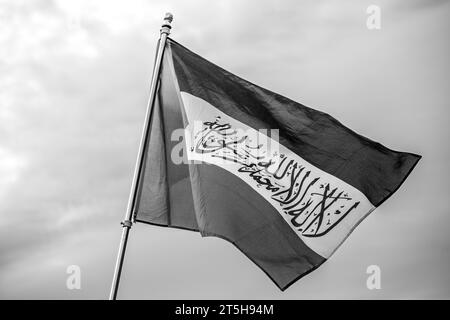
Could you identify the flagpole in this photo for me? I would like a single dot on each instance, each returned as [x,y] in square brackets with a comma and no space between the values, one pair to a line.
[127,222]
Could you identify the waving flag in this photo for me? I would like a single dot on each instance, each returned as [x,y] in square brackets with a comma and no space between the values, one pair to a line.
[286,184]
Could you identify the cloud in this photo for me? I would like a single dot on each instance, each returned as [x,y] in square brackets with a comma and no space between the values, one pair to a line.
[74,79]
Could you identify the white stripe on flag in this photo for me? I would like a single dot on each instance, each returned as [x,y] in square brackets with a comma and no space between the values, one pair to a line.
[321,209]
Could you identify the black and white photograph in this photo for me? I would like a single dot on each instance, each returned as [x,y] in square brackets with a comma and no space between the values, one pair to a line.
[224,151]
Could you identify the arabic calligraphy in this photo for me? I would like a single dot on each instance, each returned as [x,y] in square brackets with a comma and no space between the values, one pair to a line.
[312,205]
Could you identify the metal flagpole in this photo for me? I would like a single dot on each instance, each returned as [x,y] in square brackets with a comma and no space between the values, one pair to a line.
[127,223]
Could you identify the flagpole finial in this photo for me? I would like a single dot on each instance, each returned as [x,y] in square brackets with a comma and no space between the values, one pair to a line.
[168,17]
[166,26]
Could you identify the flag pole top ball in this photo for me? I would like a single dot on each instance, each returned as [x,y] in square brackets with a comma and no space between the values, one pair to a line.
[165,28]
[169,17]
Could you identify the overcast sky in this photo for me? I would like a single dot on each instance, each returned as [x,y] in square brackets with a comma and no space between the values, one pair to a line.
[74,78]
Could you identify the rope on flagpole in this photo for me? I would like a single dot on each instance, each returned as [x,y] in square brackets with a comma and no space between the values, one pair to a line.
[127,223]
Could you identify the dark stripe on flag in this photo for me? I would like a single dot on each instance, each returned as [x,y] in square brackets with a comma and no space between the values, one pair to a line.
[165,194]
[374,169]
[246,219]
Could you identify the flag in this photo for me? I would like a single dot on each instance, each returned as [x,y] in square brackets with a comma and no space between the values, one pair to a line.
[284,183]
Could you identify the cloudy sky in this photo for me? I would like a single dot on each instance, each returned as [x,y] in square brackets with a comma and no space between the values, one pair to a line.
[74,78]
